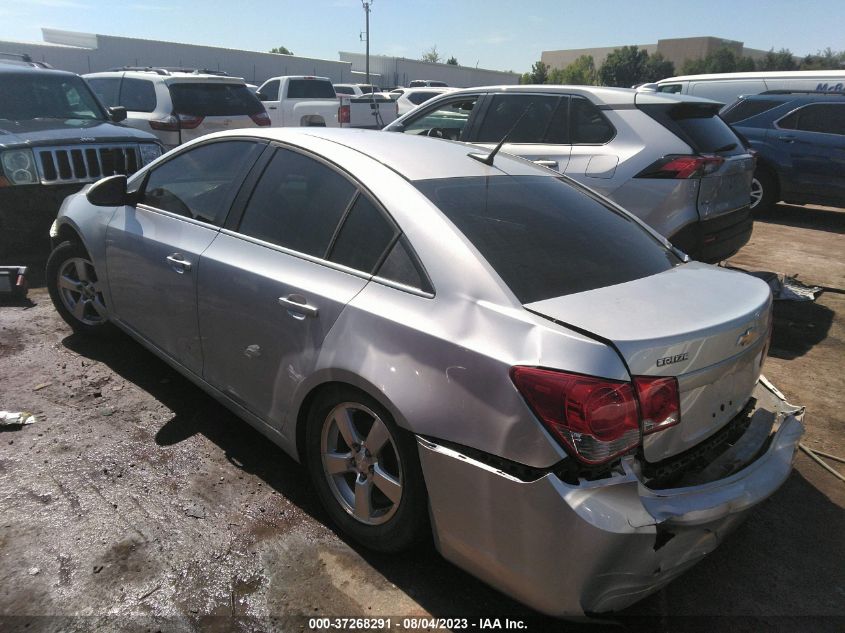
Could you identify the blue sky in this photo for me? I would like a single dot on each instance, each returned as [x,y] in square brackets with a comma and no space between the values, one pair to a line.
[493,34]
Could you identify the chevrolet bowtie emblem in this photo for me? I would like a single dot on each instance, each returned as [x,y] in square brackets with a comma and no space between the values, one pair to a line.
[746,337]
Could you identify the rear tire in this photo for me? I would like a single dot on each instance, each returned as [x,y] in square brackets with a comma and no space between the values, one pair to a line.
[764,191]
[76,290]
[366,470]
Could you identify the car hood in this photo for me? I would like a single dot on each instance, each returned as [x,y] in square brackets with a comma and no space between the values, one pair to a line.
[41,132]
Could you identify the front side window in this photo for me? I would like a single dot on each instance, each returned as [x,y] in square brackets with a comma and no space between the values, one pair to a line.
[107,89]
[297,204]
[138,95]
[670,88]
[200,182]
[535,114]
[546,238]
[588,125]
[447,120]
[269,91]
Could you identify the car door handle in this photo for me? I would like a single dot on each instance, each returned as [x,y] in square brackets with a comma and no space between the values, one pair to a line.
[271,107]
[177,263]
[551,164]
[298,307]
[786,137]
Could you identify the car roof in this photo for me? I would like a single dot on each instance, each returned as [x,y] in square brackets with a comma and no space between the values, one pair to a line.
[17,69]
[411,156]
[796,96]
[764,74]
[599,94]
[174,77]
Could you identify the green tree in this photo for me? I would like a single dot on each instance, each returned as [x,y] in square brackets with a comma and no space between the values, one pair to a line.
[782,60]
[539,73]
[452,61]
[581,72]
[824,60]
[624,67]
[281,50]
[722,60]
[431,55]
[657,67]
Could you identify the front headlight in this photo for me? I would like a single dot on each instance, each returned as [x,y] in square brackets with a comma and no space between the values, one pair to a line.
[19,166]
[149,152]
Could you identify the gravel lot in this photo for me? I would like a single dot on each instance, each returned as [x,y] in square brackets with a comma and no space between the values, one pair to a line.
[137,501]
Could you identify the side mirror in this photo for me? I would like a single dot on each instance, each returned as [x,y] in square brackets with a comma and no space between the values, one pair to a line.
[108,192]
[117,114]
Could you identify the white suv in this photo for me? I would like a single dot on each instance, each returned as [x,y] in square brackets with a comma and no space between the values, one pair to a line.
[179,105]
[668,159]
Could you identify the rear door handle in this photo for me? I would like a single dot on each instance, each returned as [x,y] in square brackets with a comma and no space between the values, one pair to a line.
[271,107]
[551,164]
[786,137]
[178,264]
[298,307]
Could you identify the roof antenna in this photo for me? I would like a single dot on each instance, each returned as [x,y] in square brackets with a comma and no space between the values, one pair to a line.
[487,159]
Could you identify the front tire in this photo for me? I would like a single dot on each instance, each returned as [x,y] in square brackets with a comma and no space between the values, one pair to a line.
[76,290]
[366,470]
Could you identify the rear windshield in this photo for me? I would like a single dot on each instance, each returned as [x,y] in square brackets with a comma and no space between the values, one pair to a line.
[214,99]
[698,125]
[545,237]
[747,108]
[310,89]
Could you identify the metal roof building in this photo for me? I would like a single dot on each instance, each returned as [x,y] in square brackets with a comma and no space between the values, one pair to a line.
[399,71]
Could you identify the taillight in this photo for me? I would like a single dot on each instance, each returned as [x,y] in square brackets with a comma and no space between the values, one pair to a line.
[594,418]
[660,403]
[168,124]
[343,114]
[682,167]
[189,121]
[262,119]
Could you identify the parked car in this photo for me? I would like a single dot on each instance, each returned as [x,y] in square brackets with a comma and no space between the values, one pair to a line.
[427,83]
[668,159]
[728,87]
[356,90]
[799,138]
[55,136]
[409,99]
[178,105]
[577,413]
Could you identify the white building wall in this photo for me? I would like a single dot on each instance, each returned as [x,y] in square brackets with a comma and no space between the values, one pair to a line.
[399,71]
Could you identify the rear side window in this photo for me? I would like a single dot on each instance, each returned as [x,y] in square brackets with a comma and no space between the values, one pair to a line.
[106,88]
[546,238]
[214,99]
[670,88]
[402,266]
[588,126]
[310,89]
[138,95]
[364,237]
[747,108]
[344,90]
[200,182]
[534,113]
[826,118]
[698,125]
[419,97]
[297,204]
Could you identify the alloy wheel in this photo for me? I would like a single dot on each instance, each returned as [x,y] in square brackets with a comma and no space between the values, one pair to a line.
[756,192]
[80,291]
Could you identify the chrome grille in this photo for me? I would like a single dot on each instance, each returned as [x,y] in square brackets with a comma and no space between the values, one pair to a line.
[84,163]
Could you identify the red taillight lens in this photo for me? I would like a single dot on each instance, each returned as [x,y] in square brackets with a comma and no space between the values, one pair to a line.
[660,402]
[169,124]
[262,119]
[595,418]
[343,114]
[189,121]
[682,167]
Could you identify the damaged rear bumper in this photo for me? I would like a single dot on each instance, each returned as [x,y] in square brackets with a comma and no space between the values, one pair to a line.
[600,545]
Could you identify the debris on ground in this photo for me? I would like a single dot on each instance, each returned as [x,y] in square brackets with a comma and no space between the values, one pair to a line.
[17,418]
[785,287]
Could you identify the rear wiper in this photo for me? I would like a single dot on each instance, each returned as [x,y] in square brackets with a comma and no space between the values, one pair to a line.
[725,148]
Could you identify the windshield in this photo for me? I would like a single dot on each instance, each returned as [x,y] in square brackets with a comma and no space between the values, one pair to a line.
[545,237]
[34,95]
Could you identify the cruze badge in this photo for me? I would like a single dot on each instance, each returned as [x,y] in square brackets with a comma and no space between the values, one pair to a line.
[87,139]
[746,337]
[677,358]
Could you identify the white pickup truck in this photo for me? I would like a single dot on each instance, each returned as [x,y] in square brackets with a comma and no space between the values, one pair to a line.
[299,101]
[364,105]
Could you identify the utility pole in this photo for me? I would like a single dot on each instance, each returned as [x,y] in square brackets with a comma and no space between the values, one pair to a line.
[367,4]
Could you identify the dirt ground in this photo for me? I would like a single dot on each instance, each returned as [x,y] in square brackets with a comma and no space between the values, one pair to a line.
[136,502]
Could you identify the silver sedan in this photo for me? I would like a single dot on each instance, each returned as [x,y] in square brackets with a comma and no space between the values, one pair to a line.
[453,342]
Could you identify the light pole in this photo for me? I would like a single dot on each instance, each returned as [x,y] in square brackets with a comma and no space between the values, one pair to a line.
[367,4]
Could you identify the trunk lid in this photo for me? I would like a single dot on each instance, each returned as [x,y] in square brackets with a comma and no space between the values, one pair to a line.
[705,325]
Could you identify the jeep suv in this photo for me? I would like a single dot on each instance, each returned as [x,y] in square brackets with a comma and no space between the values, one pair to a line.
[55,136]
[799,138]
[178,105]
[668,159]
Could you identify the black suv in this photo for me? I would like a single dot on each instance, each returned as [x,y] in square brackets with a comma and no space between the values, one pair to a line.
[55,136]
[800,142]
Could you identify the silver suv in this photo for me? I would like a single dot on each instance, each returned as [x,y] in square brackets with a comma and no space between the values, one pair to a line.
[668,159]
[179,105]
